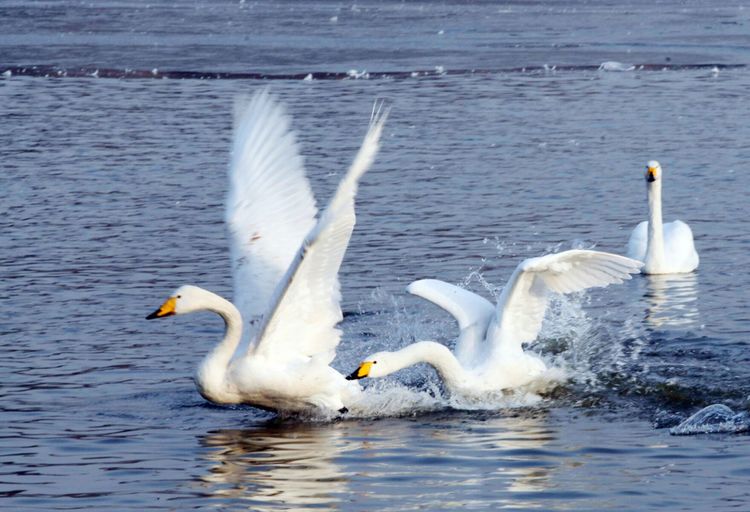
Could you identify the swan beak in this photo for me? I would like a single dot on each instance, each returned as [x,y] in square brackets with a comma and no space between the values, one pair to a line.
[166,309]
[361,372]
[651,174]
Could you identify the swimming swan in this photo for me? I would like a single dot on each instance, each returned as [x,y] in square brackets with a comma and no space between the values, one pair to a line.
[489,355]
[663,248]
[285,268]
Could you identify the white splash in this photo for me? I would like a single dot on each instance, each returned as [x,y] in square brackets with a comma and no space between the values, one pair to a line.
[714,419]
[613,65]
[356,75]
[392,399]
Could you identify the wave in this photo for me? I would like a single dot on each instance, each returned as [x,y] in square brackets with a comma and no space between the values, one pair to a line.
[52,71]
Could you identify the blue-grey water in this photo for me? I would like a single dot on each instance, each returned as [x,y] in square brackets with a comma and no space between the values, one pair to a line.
[504,141]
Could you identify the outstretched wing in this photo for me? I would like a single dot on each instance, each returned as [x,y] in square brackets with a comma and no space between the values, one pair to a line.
[305,308]
[270,207]
[472,312]
[521,306]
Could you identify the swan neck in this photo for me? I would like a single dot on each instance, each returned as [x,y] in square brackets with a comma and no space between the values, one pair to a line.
[211,373]
[436,355]
[655,248]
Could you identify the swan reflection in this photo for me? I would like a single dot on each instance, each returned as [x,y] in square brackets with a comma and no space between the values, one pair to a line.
[672,300]
[517,443]
[279,465]
[424,461]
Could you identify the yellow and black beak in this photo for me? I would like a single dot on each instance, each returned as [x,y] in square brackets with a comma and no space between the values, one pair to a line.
[651,174]
[166,309]
[361,372]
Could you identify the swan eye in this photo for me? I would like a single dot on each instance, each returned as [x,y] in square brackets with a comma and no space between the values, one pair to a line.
[374,362]
[179,296]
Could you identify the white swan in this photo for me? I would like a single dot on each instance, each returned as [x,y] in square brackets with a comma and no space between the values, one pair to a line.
[285,268]
[663,248]
[489,356]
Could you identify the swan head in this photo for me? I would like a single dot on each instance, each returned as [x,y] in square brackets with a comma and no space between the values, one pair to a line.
[185,299]
[374,366]
[653,171]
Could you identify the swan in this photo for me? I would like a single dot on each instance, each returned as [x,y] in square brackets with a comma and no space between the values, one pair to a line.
[489,355]
[663,248]
[280,334]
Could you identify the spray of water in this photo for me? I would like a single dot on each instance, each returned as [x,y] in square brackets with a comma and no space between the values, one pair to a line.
[578,349]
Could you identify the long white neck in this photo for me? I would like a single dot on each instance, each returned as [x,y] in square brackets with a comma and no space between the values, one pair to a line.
[210,375]
[436,355]
[655,249]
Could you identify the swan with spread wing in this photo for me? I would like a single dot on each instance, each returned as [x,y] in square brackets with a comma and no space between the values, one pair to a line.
[489,353]
[281,334]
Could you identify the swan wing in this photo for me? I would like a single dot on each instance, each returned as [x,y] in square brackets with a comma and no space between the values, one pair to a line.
[638,242]
[679,246]
[305,307]
[521,306]
[472,312]
[467,307]
[270,207]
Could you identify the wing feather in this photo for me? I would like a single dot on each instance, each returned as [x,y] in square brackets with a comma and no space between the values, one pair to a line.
[472,312]
[270,207]
[523,302]
[466,307]
[306,305]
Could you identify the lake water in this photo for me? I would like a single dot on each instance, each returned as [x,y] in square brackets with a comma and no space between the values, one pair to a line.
[505,141]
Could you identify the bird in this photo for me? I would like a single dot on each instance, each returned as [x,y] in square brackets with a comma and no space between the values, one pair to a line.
[663,248]
[280,333]
[489,355]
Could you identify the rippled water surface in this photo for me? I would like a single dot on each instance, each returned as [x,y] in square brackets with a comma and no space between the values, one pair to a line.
[112,194]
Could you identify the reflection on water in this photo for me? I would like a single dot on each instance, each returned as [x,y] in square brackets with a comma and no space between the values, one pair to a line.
[672,301]
[500,459]
[292,465]
[527,474]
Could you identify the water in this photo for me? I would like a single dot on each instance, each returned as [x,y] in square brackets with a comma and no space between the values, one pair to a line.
[112,193]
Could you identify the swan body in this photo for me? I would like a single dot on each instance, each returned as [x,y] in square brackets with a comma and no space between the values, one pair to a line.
[663,248]
[281,335]
[489,355]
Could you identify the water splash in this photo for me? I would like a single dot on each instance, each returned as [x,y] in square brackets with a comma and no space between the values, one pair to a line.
[567,342]
[389,398]
[714,419]
[612,65]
